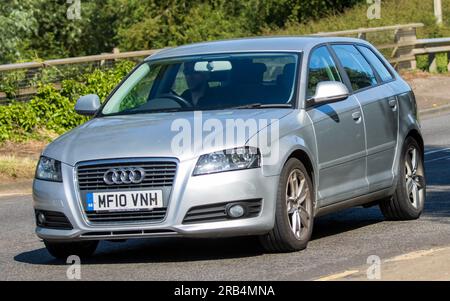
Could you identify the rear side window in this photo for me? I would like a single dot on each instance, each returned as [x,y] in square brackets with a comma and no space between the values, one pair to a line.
[321,68]
[381,69]
[357,68]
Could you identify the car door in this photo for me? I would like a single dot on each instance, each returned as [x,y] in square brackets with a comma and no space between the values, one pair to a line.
[340,137]
[379,107]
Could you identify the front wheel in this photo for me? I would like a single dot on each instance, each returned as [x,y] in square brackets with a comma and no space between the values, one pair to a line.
[62,250]
[409,198]
[294,210]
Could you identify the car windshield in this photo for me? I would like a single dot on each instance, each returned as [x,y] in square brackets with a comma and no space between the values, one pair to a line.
[207,83]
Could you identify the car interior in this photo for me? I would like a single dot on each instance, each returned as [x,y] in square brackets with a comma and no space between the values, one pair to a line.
[247,82]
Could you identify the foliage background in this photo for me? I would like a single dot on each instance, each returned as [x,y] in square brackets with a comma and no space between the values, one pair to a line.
[51,111]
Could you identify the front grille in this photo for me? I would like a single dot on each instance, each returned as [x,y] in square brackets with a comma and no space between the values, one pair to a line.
[157,174]
[217,212]
[53,220]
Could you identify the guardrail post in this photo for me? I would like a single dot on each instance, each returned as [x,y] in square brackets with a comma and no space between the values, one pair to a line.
[408,36]
[432,62]
[362,35]
[448,61]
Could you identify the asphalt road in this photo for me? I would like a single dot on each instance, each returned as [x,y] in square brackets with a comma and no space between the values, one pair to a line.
[340,241]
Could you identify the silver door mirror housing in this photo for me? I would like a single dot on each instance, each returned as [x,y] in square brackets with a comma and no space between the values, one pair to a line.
[329,91]
[87,105]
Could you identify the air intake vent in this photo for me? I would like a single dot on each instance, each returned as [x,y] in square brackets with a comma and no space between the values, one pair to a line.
[155,215]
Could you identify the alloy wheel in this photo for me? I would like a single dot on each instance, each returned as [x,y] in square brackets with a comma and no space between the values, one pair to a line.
[414,177]
[297,203]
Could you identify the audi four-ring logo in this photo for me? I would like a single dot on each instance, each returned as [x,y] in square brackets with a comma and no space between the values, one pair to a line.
[127,175]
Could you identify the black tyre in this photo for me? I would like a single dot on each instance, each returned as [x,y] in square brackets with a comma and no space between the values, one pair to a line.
[408,201]
[294,210]
[62,250]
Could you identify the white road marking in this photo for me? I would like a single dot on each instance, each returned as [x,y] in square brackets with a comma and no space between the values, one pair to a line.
[338,276]
[403,257]
[437,151]
[437,159]
[414,255]
[15,194]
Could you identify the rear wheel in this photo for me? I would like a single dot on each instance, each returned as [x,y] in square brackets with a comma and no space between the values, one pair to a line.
[409,198]
[294,210]
[62,250]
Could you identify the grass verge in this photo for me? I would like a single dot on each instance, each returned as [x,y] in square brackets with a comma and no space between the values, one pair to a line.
[14,168]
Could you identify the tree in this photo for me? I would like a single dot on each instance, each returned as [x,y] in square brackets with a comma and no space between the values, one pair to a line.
[17,25]
[59,36]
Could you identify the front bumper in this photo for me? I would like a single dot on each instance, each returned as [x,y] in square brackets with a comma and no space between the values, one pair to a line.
[187,192]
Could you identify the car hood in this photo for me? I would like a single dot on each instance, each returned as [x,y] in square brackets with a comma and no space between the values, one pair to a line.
[151,135]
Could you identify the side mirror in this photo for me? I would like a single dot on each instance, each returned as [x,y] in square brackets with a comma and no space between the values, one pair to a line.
[329,91]
[87,105]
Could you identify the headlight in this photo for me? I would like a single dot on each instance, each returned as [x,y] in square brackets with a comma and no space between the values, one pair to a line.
[229,159]
[49,170]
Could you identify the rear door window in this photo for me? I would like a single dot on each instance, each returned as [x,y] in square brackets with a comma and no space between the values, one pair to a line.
[359,71]
[381,69]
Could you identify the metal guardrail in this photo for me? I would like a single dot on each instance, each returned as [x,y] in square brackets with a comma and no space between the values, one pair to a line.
[405,47]
[78,60]
[360,32]
[25,76]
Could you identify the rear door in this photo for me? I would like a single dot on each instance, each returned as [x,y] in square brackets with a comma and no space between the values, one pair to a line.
[368,77]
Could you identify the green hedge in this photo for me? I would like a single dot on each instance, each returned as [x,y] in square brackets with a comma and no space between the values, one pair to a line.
[52,109]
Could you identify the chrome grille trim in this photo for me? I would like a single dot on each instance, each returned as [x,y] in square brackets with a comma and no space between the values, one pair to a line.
[129,216]
[156,175]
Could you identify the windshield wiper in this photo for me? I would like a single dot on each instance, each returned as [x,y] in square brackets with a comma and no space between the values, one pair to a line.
[258,105]
[136,111]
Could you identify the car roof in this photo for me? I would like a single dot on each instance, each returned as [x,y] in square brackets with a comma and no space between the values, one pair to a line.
[258,44]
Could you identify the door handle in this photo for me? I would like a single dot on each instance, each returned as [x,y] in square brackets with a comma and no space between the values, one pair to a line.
[392,102]
[356,116]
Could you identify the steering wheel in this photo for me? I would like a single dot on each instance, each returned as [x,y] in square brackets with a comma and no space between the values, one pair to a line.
[180,100]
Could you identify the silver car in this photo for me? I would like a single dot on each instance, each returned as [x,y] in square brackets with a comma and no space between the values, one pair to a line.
[233,138]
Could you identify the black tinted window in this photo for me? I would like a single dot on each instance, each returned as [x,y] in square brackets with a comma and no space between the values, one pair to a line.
[381,69]
[211,82]
[321,68]
[358,69]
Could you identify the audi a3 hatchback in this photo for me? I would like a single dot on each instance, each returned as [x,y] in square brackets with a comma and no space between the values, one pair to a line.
[232,138]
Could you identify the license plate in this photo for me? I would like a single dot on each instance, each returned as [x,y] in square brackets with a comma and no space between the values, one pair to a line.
[124,200]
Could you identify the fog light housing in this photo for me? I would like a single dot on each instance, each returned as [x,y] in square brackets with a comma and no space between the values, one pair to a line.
[41,218]
[236,211]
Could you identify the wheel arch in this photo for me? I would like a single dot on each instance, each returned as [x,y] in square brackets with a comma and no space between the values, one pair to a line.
[303,157]
[415,134]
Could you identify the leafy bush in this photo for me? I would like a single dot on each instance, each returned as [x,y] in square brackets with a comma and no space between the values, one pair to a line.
[52,109]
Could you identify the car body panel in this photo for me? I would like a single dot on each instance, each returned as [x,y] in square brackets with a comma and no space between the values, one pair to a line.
[381,124]
[340,150]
